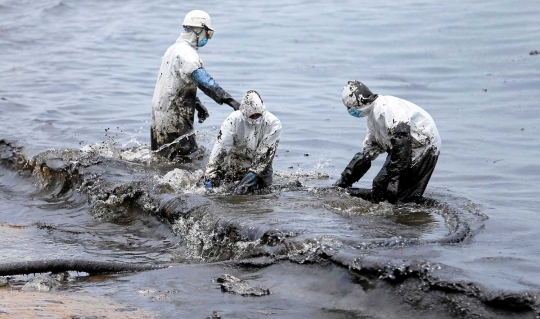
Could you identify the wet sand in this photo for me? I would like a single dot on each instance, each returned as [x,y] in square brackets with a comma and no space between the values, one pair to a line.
[21,304]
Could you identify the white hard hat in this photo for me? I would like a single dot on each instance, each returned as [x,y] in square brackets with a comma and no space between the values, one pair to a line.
[198,18]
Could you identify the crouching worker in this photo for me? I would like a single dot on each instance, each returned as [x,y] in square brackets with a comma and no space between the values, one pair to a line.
[402,129]
[245,147]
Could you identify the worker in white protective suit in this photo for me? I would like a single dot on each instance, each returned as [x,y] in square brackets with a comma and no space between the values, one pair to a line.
[402,129]
[245,147]
[175,95]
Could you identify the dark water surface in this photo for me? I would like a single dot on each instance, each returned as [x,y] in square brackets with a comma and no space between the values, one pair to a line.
[77,179]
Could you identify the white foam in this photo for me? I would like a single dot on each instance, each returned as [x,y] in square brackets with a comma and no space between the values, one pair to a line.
[303,175]
[183,181]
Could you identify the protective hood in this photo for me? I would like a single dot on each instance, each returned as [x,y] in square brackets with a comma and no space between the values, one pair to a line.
[357,96]
[191,37]
[252,104]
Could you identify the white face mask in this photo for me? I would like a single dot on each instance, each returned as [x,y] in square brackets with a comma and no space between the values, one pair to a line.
[255,122]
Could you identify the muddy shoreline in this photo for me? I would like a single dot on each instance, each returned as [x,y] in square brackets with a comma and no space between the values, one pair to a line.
[229,244]
[163,294]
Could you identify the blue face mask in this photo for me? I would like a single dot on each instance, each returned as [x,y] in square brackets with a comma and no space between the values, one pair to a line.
[355,113]
[203,42]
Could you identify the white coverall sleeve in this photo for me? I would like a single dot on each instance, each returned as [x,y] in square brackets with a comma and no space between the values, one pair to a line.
[222,148]
[371,148]
[187,65]
[266,150]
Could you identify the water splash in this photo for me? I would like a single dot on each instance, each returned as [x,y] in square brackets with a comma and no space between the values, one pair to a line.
[183,181]
[302,175]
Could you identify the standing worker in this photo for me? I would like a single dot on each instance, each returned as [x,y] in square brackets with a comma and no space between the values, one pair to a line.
[245,147]
[175,95]
[402,129]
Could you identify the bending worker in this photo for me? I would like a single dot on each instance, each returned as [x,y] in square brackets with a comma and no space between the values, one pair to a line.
[245,147]
[175,96]
[402,129]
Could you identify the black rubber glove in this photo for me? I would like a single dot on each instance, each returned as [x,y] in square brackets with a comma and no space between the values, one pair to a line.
[202,112]
[365,194]
[232,103]
[341,183]
[357,167]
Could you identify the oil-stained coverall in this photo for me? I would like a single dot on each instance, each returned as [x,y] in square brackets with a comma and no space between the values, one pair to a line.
[402,129]
[175,97]
[245,147]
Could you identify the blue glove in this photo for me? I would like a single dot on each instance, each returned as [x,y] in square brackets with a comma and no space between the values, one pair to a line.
[246,184]
[208,184]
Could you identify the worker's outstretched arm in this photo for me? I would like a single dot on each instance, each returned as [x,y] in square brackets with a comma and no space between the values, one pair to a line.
[206,83]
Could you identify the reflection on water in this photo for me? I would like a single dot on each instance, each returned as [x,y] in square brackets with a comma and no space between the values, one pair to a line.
[419,219]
